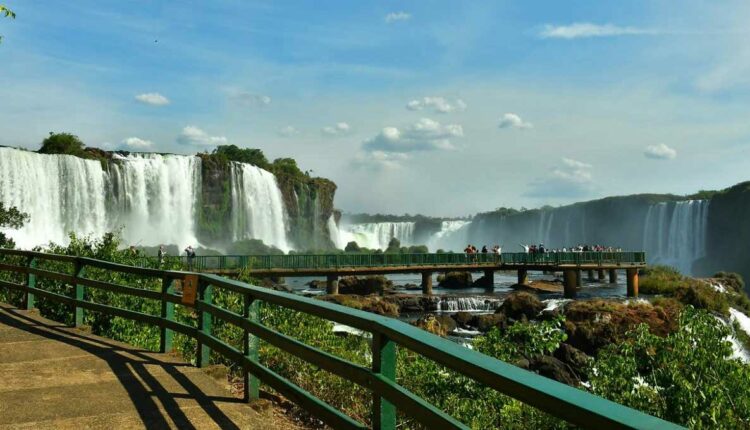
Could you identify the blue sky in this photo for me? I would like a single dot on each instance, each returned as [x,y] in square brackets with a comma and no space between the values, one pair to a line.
[436,107]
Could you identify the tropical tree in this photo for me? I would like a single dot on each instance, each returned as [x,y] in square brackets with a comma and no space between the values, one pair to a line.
[10,218]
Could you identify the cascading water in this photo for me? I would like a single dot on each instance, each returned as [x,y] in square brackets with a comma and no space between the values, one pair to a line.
[60,193]
[468,304]
[451,237]
[675,233]
[257,206]
[154,198]
[377,235]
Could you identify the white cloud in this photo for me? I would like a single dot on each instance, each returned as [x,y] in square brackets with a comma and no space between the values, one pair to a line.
[397,16]
[423,135]
[511,120]
[439,104]
[154,99]
[340,129]
[587,29]
[660,152]
[137,143]
[570,179]
[380,160]
[192,135]
[251,99]
[288,131]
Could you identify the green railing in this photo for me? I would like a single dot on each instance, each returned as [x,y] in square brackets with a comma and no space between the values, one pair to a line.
[333,261]
[557,399]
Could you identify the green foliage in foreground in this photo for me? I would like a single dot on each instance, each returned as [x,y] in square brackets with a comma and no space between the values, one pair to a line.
[10,217]
[667,281]
[688,376]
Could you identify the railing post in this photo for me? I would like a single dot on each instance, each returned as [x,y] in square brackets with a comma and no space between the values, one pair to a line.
[203,353]
[384,363]
[167,313]
[250,348]
[79,270]
[30,299]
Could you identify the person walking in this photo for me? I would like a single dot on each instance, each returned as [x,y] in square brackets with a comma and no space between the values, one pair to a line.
[190,252]
[160,255]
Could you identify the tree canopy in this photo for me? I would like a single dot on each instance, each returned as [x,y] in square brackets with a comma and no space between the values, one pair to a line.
[10,218]
[252,156]
[63,143]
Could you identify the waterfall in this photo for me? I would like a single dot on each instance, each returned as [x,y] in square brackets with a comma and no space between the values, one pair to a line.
[451,237]
[257,206]
[464,304]
[675,233]
[153,197]
[377,235]
[60,193]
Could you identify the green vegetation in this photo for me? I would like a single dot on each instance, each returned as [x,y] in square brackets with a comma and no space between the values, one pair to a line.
[242,155]
[64,143]
[10,218]
[7,13]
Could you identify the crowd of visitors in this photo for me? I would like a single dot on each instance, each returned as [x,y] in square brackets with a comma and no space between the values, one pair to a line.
[541,249]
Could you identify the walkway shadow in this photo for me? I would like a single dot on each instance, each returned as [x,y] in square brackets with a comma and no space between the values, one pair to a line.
[129,366]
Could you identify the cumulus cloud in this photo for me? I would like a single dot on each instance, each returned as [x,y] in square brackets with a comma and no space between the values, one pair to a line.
[339,129]
[153,99]
[423,135]
[397,16]
[438,104]
[137,143]
[586,29]
[569,179]
[660,152]
[380,160]
[192,135]
[288,131]
[511,120]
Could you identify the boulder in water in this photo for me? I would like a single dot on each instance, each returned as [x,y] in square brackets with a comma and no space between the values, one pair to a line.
[522,304]
[553,368]
[483,282]
[364,286]
[440,325]
[455,280]
[573,357]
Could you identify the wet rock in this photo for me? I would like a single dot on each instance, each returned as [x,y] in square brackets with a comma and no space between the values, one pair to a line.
[374,304]
[553,368]
[364,286]
[486,322]
[317,285]
[540,287]
[465,319]
[440,325]
[521,304]
[573,357]
[455,280]
[594,324]
[483,282]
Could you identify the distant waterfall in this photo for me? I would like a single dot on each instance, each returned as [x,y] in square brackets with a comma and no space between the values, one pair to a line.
[61,193]
[675,233]
[154,198]
[257,206]
[451,237]
[377,235]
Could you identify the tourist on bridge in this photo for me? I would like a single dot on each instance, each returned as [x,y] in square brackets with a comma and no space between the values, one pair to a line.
[484,249]
[160,255]
[190,252]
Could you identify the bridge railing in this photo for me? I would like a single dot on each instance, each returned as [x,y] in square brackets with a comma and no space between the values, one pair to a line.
[20,271]
[333,261]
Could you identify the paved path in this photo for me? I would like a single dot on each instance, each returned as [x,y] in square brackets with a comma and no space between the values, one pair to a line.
[56,377]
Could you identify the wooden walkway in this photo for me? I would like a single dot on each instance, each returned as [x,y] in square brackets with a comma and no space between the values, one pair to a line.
[56,377]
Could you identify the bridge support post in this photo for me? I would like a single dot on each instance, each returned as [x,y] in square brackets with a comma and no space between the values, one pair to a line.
[570,283]
[205,295]
[167,313]
[332,284]
[29,298]
[489,276]
[591,276]
[523,277]
[600,275]
[80,269]
[250,348]
[579,278]
[427,283]
[384,363]
[612,276]
[632,275]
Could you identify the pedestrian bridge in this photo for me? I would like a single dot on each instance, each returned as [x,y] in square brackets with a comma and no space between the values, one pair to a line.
[332,266]
[73,286]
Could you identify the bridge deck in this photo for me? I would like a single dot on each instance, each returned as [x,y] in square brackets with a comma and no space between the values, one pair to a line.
[56,377]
